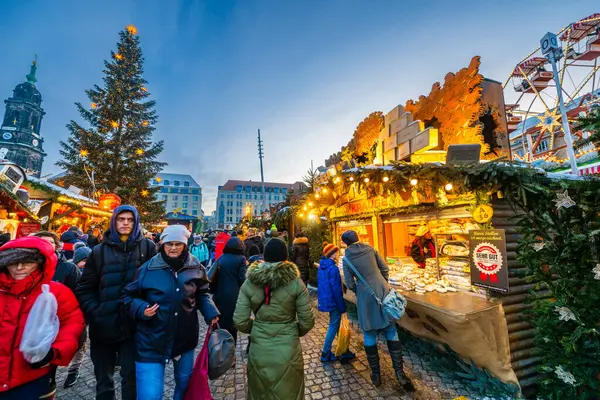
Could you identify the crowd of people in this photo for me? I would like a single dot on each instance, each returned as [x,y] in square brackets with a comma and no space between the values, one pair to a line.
[137,295]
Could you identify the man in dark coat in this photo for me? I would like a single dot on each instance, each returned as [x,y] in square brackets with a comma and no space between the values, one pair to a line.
[111,266]
[230,276]
[301,255]
[92,239]
[252,239]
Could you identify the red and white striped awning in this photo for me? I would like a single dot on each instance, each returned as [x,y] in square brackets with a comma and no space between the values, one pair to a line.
[590,170]
[582,28]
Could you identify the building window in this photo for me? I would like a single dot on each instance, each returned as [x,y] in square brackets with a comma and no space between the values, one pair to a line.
[184,205]
[184,198]
[166,182]
[176,183]
[222,196]
[194,212]
[164,190]
[174,204]
[184,190]
[186,183]
[175,198]
[165,197]
[194,198]
[184,211]
[194,205]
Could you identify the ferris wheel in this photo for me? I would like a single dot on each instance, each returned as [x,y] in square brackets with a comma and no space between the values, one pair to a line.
[532,112]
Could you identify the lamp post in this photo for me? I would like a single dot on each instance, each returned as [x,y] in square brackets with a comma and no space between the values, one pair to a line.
[551,48]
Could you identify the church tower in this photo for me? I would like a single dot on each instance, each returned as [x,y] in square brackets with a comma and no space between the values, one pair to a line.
[20,139]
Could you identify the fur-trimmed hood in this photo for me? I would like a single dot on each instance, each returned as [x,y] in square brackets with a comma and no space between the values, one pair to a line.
[301,240]
[275,274]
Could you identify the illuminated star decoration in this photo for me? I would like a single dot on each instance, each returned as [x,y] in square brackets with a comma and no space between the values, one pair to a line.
[158,179]
[118,56]
[145,192]
[131,29]
[563,200]
[94,105]
[548,121]
[114,124]
[145,123]
[139,152]
[84,153]
[144,89]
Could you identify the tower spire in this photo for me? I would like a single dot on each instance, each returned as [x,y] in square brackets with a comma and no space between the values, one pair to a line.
[31,77]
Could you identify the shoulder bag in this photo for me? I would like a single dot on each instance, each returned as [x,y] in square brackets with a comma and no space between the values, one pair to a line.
[393,304]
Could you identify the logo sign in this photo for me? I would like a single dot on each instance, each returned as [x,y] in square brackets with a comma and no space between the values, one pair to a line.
[489,264]
[549,43]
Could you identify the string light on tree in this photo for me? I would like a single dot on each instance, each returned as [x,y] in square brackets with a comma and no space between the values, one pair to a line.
[94,105]
[448,187]
[118,56]
[144,123]
[414,182]
[144,89]
[139,152]
[145,192]
[84,153]
[386,178]
[114,124]
[351,179]
[366,180]
[131,29]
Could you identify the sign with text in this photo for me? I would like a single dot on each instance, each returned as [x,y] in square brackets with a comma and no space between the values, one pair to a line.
[489,263]
[27,228]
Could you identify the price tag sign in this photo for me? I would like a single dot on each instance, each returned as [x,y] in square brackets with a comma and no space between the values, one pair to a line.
[483,213]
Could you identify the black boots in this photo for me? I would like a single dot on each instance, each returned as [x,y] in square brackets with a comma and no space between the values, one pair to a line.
[373,358]
[395,349]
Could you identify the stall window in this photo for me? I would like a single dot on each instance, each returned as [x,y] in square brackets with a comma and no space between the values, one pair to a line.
[363,228]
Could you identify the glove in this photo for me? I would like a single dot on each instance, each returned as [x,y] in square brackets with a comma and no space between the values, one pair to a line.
[44,361]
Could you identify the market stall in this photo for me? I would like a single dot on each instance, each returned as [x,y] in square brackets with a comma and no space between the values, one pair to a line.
[15,217]
[60,208]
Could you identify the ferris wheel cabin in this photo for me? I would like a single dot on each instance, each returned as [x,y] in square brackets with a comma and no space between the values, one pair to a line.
[532,76]
[583,37]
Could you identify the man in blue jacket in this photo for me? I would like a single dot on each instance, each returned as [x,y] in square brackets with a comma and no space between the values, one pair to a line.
[331,299]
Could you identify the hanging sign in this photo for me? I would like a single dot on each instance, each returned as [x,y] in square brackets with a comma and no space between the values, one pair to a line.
[109,201]
[483,213]
[489,263]
[27,228]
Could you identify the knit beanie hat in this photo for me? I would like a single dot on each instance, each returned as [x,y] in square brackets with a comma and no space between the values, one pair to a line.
[175,233]
[21,255]
[349,237]
[329,249]
[79,245]
[81,254]
[276,250]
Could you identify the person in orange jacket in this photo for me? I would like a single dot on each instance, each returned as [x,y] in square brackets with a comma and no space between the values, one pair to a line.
[25,265]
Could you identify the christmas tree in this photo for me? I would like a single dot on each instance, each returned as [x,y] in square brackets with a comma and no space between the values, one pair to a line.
[591,124]
[114,152]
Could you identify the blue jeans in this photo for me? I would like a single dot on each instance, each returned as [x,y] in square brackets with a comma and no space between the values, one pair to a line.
[335,318]
[151,377]
[390,332]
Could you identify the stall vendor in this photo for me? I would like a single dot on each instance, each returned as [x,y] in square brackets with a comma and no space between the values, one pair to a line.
[422,247]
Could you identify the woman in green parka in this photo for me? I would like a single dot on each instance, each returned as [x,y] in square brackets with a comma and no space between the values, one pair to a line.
[279,300]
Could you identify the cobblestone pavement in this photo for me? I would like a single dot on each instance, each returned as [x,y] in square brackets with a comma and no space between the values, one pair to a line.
[323,381]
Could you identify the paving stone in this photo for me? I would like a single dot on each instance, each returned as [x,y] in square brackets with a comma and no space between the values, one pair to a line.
[332,381]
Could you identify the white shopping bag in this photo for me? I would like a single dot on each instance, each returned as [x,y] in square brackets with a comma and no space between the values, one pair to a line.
[41,327]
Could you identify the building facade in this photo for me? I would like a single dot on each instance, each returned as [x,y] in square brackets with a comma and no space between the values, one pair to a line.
[20,138]
[236,199]
[181,194]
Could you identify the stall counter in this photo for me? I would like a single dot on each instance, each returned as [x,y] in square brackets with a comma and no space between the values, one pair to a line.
[474,327]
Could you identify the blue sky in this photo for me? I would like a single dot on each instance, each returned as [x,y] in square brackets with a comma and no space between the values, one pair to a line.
[305,72]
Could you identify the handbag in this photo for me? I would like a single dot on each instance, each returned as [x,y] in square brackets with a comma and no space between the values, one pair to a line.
[343,337]
[393,304]
[221,352]
[198,388]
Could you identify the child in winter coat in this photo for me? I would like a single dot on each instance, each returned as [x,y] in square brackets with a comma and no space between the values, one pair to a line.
[331,299]
[199,250]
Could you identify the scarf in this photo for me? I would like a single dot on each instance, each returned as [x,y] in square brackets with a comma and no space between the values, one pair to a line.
[177,262]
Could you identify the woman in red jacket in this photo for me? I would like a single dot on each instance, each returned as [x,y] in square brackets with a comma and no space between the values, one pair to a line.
[25,265]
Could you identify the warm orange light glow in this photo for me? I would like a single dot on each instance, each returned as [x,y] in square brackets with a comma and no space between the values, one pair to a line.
[118,56]
[317,196]
[131,29]
[351,179]
[305,208]
[145,123]
[414,182]
[94,105]
[310,204]
[448,187]
[158,179]
[144,89]
[386,178]
[114,124]
[83,153]
[367,180]
[336,180]
[145,192]
[324,190]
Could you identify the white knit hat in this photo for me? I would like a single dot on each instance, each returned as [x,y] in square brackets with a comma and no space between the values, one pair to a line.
[175,233]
